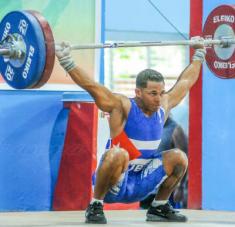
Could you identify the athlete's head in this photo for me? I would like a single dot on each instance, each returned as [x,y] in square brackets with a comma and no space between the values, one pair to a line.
[150,87]
[148,75]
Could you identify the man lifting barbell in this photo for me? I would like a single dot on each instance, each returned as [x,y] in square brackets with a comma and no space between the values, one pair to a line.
[131,168]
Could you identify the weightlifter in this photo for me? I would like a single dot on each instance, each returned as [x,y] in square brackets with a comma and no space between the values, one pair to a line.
[131,168]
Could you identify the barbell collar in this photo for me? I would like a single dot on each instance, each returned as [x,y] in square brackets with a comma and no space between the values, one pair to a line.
[5,52]
[12,52]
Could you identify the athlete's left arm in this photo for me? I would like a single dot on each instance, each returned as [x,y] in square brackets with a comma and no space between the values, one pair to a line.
[185,81]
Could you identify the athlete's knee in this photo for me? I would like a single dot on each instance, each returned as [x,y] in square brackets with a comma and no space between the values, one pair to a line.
[175,162]
[116,158]
[181,158]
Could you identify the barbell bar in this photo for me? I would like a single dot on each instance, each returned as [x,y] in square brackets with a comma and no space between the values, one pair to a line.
[224,42]
[28,48]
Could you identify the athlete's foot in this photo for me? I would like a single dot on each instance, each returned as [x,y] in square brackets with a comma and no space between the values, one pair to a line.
[95,214]
[164,213]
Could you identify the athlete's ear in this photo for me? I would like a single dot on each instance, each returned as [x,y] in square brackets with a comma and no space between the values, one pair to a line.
[138,92]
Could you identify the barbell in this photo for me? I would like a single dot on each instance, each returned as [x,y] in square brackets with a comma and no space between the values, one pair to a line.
[27,47]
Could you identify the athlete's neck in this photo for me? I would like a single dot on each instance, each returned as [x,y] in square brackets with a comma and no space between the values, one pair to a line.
[144,109]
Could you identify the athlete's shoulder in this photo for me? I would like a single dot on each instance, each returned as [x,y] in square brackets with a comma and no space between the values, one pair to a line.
[126,102]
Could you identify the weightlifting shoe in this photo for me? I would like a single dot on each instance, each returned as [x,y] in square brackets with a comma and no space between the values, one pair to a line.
[164,213]
[95,214]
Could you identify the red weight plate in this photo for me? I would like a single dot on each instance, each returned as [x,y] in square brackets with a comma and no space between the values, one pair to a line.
[50,48]
[221,17]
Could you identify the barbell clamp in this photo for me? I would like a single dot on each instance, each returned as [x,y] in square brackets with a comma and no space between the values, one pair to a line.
[226,41]
[13,47]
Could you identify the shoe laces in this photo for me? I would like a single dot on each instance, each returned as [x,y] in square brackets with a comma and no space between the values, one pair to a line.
[96,208]
[167,208]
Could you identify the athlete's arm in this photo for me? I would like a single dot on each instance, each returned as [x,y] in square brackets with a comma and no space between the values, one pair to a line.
[185,81]
[104,99]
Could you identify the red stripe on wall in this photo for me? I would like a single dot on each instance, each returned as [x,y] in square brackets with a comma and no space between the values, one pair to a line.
[195,119]
[73,188]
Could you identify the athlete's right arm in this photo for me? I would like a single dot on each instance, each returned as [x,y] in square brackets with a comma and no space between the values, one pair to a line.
[104,99]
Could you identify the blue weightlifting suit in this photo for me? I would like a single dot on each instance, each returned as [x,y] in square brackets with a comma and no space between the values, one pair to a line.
[141,137]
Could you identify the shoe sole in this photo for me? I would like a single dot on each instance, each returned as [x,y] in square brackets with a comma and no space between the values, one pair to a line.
[154,218]
[95,222]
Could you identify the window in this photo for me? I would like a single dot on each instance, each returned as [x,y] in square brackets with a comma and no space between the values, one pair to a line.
[122,65]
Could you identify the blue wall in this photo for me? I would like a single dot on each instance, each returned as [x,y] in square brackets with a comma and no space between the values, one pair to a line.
[218,135]
[33,124]
[32,130]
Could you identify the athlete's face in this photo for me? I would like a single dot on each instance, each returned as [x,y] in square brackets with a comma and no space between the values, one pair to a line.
[151,96]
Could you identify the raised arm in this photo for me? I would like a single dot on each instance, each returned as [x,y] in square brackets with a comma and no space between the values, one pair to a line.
[104,98]
[186,80]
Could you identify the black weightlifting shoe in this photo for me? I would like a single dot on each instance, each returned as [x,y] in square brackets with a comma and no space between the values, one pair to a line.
[164,213]
[95,214]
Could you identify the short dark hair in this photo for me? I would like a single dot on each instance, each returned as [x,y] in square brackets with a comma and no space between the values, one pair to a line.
[148,75]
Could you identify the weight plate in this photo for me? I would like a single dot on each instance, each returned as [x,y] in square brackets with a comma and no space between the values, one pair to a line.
[50,48]
[26,72]
[221,23]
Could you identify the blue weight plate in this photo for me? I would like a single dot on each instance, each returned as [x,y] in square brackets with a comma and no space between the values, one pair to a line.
[25,73]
